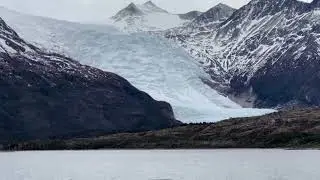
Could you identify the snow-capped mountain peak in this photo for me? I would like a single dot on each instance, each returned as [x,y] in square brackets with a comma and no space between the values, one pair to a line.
[222,6]
[130,11]
[149,17]
[150,7]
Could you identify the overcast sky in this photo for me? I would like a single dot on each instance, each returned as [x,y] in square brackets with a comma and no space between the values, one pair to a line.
[99,10]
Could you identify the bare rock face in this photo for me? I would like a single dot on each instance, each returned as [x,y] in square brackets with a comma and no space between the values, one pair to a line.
[45,95]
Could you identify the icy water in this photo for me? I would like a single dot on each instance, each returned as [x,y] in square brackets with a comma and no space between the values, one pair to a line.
[161,165]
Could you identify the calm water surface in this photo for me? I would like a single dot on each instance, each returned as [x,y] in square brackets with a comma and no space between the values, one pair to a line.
[161,165]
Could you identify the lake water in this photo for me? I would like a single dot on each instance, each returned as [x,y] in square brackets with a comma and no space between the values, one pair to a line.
[161,165]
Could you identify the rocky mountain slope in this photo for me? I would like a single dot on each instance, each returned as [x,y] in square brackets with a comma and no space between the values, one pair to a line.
[46,95]
[211,18]
[266,54]
[299,128]
[201,25]
[149,17]
[192,35]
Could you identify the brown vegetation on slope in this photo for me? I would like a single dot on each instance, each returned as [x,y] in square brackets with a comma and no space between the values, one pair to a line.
[288,129]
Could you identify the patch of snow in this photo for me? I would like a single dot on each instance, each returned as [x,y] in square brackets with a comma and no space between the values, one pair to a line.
[4,46]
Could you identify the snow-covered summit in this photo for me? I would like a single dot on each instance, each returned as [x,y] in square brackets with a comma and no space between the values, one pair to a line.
[138,10]
[150,7]
[148,17]
[130,11]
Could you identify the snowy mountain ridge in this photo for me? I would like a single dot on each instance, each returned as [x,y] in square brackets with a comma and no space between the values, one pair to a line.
[263,44]
[202,24]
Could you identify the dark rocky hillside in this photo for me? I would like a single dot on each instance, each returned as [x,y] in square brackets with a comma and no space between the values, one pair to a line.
[45,95]
[281,51]
[287,129]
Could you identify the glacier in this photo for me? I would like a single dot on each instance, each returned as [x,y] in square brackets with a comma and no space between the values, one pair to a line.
[150,63]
